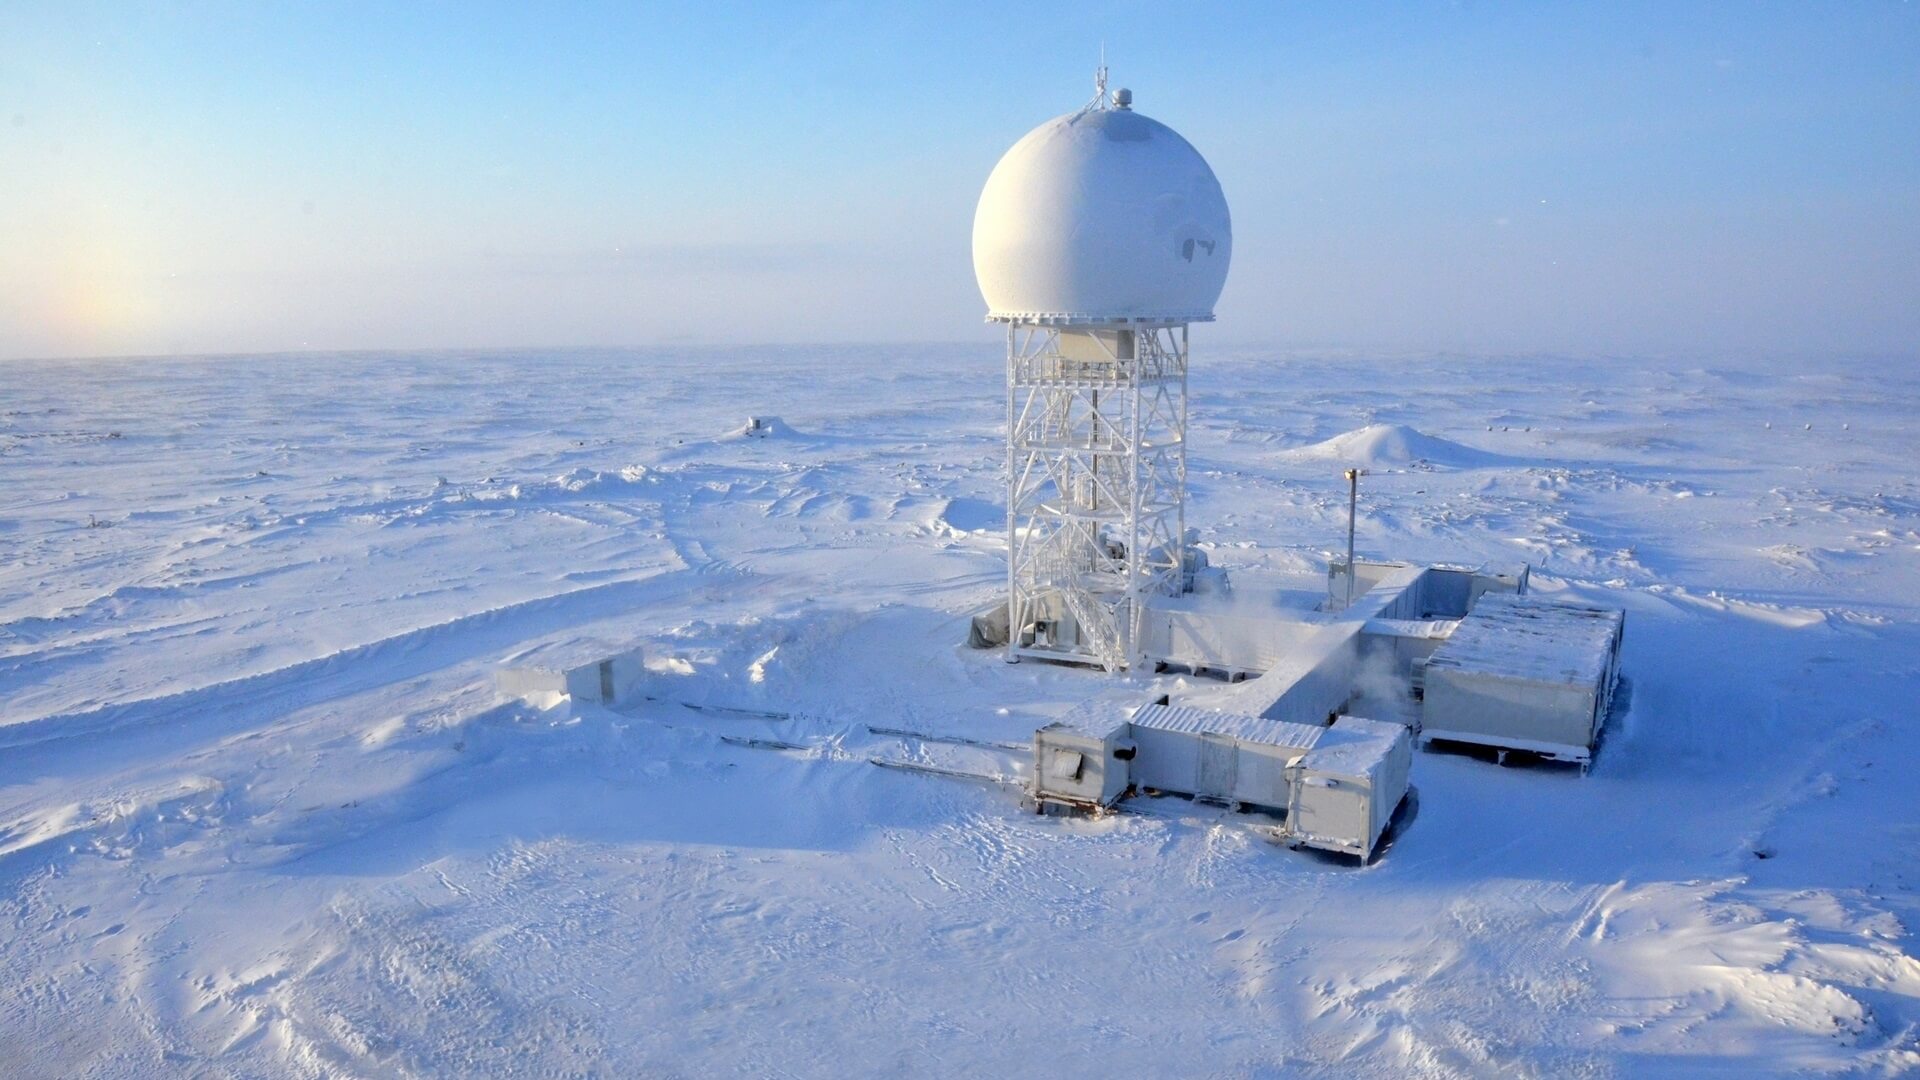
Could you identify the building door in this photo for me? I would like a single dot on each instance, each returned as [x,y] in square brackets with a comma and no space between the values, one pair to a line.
[1218,759]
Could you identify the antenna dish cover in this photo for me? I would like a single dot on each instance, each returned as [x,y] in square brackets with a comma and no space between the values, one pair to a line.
[1104,214]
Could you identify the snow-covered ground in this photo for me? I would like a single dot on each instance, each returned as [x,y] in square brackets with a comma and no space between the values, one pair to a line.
[261,811]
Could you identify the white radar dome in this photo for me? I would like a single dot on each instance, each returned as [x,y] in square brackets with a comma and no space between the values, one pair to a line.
[1102,214]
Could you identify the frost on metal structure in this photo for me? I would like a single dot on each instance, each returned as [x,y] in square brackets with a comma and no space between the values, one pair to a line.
[1525,673]
[1338,785]
[1100,236]
[1097,466]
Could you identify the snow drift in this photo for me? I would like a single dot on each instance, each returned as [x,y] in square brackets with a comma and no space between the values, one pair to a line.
[1388,445]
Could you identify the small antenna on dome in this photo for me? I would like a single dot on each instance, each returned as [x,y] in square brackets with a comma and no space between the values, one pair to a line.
[1099,101]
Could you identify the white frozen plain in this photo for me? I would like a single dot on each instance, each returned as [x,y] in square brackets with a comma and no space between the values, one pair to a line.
[261,812]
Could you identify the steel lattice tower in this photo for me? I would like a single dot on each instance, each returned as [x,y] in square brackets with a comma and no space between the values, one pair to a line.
[1096,484]
[1100,237]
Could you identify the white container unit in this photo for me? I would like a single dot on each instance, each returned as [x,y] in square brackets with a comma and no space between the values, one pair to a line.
[1443,591]
[1307,686]
[1232,637]
[1525,673]
[1346,788]
[1214,755]
[1339,785]
[577,669]
[1081,761]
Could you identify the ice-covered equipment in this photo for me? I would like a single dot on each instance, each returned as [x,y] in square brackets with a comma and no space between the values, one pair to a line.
[1209,754]
[1081,761]
[1338,785]
[1347,787]
[1525,673]
[1098,238]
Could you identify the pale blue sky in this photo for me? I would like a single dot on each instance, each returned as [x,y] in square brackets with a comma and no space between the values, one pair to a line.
[1668,179]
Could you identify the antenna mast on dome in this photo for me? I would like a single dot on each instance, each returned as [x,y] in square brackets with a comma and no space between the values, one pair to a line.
[1100,100]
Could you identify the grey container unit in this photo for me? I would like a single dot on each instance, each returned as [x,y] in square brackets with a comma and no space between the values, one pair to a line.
[1225,757]
[1525,673]
[1218,634]
[1346,788]
[1444,591]
[581,669]
[1081,761]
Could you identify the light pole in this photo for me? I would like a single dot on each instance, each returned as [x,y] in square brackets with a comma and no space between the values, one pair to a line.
[1353,502]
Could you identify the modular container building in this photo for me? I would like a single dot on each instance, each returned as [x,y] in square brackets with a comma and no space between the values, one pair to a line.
[1235,638]
[1346,788]
[1338,785]
[1444,591]
[1525,673]
[1082,760]
[1215,755]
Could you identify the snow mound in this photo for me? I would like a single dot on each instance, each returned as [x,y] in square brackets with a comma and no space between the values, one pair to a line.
[973,515]
[580,479]
[1381,445]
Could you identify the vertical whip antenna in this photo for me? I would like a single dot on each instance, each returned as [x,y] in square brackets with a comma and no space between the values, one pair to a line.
[1099,101]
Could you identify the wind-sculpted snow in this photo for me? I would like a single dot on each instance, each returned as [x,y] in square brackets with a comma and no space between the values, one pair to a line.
[261,812]
[1378,446]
